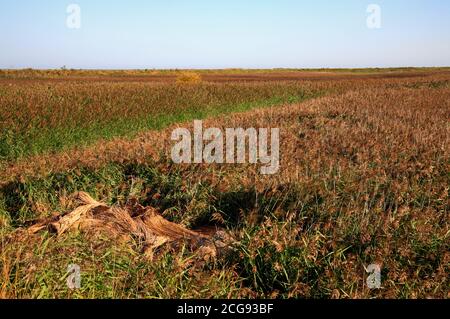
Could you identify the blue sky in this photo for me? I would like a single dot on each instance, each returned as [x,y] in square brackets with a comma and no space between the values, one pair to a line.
[223,34]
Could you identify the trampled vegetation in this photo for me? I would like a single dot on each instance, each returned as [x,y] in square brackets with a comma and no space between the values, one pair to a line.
[364,179]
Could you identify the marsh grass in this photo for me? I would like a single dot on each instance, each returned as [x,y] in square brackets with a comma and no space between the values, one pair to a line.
[364,179]
[66,117]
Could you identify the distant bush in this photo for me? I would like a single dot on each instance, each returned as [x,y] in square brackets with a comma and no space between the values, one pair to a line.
[189,78]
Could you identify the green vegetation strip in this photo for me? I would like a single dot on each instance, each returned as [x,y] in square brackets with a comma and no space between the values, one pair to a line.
[14,146]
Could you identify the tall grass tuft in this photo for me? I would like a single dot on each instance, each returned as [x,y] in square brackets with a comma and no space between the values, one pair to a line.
[189,77]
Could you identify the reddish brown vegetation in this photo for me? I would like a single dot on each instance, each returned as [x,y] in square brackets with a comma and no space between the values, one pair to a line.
[364,179]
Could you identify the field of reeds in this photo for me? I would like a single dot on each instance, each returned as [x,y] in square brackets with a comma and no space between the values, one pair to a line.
[364,179]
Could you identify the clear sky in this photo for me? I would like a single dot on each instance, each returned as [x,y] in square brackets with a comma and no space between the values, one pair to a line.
[223,34]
